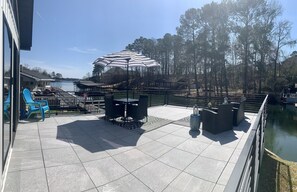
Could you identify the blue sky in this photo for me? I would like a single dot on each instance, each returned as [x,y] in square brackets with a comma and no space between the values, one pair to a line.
[68,35]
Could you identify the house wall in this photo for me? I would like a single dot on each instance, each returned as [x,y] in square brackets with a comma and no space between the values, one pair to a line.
[32,84]
[9,86]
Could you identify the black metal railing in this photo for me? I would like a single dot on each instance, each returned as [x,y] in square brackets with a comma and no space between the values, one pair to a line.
[172,97]
[63,100]
[245,175]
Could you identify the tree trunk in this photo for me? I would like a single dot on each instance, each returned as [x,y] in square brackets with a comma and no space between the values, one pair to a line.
[261,69]
[275,67]
[225,75]
[245,70]
[205,78]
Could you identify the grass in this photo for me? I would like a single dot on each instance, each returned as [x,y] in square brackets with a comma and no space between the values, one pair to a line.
[277,175]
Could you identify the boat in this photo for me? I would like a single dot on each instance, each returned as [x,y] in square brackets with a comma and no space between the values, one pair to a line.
[88,88]
[289,95]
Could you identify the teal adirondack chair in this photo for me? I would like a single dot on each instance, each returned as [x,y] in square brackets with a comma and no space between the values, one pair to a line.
[37,106]
[7,106]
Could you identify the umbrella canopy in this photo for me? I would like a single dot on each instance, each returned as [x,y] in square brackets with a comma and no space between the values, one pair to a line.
[126,59]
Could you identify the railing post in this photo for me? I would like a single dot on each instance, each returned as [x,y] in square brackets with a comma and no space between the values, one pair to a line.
[167,97]
[188,101]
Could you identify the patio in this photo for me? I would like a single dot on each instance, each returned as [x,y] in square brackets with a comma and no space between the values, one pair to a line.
[86,153]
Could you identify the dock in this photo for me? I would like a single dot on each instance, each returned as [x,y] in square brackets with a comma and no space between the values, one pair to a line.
[68,100]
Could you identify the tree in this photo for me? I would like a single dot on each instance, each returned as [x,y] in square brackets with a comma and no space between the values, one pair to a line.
[164,47]
[97,70]
[189,29]
[59,76]
[294,53]
[245,12]
[283,38]
[53,74]
[289,68]
[215,19]
[167,42]
[262,41]
[177,46]
[87,76]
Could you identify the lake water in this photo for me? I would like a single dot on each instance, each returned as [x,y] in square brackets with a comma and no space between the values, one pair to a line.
[281,131]
[65,85]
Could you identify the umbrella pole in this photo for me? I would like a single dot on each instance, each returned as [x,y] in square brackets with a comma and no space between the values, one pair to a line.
[127,86]
[127,91]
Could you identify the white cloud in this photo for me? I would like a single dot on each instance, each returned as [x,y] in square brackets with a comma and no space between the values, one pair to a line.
[92,50]
[84,51]
[39,15]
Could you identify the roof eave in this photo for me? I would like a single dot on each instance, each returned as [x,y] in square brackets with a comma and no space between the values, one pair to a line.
[25,8]
[36,78]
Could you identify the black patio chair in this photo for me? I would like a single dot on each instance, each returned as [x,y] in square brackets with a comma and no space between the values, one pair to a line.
[138,111]
[238,112]
[112,110]
[220,121]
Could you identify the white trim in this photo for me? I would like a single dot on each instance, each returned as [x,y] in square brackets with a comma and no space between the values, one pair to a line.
[8,12]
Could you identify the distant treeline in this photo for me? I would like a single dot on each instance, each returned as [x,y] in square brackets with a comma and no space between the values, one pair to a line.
[67,79]
[44,72]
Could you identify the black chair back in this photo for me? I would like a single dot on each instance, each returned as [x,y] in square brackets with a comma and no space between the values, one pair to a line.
[225,116]
[238,112]
[108,99]
[142,105]
[113,110]
[139,112]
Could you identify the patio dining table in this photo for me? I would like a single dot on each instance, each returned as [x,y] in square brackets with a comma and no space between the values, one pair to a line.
[126,101]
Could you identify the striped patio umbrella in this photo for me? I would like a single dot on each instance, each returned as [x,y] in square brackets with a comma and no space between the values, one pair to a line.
[126,59]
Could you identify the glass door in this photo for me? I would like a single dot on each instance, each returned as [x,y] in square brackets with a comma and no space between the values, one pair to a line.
[7,91]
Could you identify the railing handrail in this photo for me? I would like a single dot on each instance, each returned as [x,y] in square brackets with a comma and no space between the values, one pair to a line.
[235,180]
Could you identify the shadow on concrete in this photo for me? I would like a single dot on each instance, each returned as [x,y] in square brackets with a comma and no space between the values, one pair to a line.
[228,136]
[96,135]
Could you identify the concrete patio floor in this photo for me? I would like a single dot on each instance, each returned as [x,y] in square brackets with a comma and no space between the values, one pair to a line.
[84,153]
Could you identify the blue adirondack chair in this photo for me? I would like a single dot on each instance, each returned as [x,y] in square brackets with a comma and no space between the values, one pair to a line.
[37,106]
[7,106]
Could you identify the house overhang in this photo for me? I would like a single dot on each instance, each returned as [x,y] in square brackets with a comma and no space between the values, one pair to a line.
[25,8]
[36,78]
